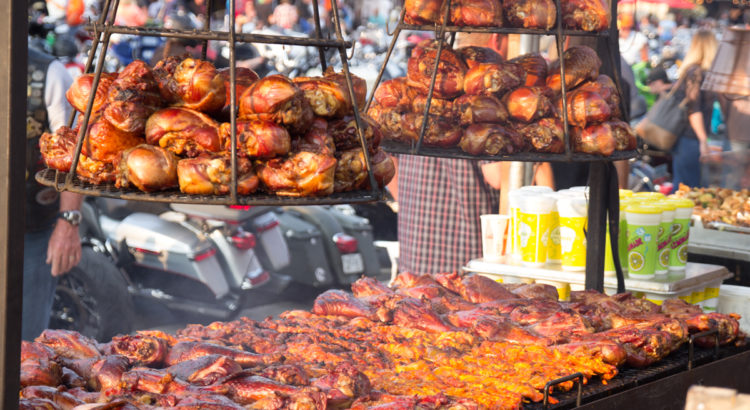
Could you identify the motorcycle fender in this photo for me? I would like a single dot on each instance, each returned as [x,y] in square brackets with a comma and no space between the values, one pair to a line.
[271,240]
[309,262]
[361,230]
[164,245]
[240,263]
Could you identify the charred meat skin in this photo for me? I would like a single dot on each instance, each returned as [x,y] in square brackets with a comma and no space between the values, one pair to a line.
[586,15]
[528,104]
[545,135]
[278,99]
[585,108]
[490,139]
[131,98]
[476,13]
[105,142]
[581,64]
[211,174]
[80,91]
[536,68]
[489,79]
[472,109]
[257,138]
[197,85]
[449,82]
[183,131]
[183,351]
[57,149]
[395,94]
[300,174]
[422,11]
[539,14]
[475,55]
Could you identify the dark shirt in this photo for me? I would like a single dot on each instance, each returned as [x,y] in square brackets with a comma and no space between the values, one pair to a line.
[696,100]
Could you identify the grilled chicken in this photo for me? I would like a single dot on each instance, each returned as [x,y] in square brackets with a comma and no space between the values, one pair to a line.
[183,131]
[395,94]
[276,98]
[586,15]
[147,168]
[490,139]
[536,68]
[488,79]
[69,344]
[57,149]
[244,77]
[422,11]
[475,55]
[476,13]
[140,349]
[449,82]
[131,98]
[211,174]
[538,14]
[257,138]
[80,91]
[300,174]
[326,97]
[472,109]
[196,84]
[104,142]
[545,135]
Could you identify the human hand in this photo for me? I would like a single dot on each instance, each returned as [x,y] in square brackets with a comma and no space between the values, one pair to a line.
[64,248]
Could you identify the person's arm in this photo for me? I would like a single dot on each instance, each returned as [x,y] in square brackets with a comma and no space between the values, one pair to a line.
[623,171]
[64,248]
[696,122]
[492,173]
[57,83]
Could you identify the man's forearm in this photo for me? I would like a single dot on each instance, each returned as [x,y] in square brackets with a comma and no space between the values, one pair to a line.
[70,201]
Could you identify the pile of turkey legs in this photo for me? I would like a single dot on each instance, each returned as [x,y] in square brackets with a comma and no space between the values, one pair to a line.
[443,342]
[168,127]
[488,106]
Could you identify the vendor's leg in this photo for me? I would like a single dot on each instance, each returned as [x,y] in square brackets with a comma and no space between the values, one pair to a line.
[686,167]
[38,285]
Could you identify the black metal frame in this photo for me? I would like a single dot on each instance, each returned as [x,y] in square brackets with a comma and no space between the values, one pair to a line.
[105,27]
[603,178]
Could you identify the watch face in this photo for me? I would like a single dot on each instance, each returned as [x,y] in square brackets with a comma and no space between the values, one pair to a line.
[74,217]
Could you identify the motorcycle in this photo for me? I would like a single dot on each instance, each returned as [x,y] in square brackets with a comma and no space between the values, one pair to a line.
[199,259]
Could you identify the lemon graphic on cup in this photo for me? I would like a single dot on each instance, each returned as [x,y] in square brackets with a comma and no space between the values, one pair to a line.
[664,257]
[635,261]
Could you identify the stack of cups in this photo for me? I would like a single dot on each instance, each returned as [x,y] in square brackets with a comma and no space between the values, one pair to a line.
[554,248]
[514,202]
[643,232]
[493,236]
[680,233]
[573,211]
[665,235]
[534,223]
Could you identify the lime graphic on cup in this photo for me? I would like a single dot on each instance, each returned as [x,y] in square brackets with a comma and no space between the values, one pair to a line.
[664,257]
[682,254]
[635,262]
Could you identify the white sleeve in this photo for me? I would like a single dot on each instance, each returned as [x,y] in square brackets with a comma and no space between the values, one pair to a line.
[57,83]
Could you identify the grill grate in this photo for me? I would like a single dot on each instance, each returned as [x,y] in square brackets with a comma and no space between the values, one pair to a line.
[629,377]
[50,177]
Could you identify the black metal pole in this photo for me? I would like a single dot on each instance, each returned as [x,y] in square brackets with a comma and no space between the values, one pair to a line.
[599,181]
[14,37]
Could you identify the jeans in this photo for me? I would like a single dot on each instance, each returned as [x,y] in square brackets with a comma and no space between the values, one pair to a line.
[38,284]
[686,165]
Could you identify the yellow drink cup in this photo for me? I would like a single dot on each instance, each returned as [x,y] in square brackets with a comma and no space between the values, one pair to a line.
[573,212]
[534,224]
[648,195]
[514,203]
[625,193]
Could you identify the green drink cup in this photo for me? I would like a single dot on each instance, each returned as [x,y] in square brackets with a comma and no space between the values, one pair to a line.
[643,232]
[680,234]
[622,240]
[663,249]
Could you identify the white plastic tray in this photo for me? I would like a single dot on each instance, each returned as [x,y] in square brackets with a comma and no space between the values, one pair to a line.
[721,244]
[695,275]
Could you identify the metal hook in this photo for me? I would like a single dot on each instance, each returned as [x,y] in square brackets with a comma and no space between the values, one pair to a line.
[400,20]
[351,56]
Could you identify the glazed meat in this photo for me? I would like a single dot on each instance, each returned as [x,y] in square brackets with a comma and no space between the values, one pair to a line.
[395,94]
[440,131]
[474,288]
[104,142]
[62,399]
[536,68]
[367,286]
[148,168]
[383,167]
[487,79]
[581,64]
[301,174]
[184,351]
[595,139]
[278,99]
[585,108]
[211,174]
[359,86]
[394,125]
[40,372]
[605,87]
[57,149]
[476,13]
[586,15]
[539,14]
[326,97]
[183,131]
[438,107]
[625,138]
[205,370]
[345,136]
[545,135]
[339,303]
[490,139]
[472,109]
[244,77]
[475,55]
[132,97]
[96,172]
[317,139]
[69,344]
[140,349]
[449,82]
[351,170]
[422,11]
[528,104]
[416,314]
[257,138]
[196,84]
[79,92]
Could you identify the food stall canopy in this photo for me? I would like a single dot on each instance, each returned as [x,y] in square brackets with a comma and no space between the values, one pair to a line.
[675,4]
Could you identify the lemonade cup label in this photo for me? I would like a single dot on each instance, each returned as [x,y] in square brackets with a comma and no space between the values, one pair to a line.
[516,247]
[573,242]
[678,244]
[554,252]
[642,244]
[623,244]
[663,249]
[533,230]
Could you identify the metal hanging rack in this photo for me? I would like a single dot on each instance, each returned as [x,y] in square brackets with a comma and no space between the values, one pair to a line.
[102,30]
[603,211]
[440,30]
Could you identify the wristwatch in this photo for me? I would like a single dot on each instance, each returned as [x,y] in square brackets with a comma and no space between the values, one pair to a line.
[73,217]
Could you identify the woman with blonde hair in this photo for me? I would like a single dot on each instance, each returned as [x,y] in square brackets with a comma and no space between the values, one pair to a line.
[693,143]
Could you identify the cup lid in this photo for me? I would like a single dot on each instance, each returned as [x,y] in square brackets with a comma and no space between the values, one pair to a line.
[640,208]
[681,202]
[624,193]
[665,205]
[650,195]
